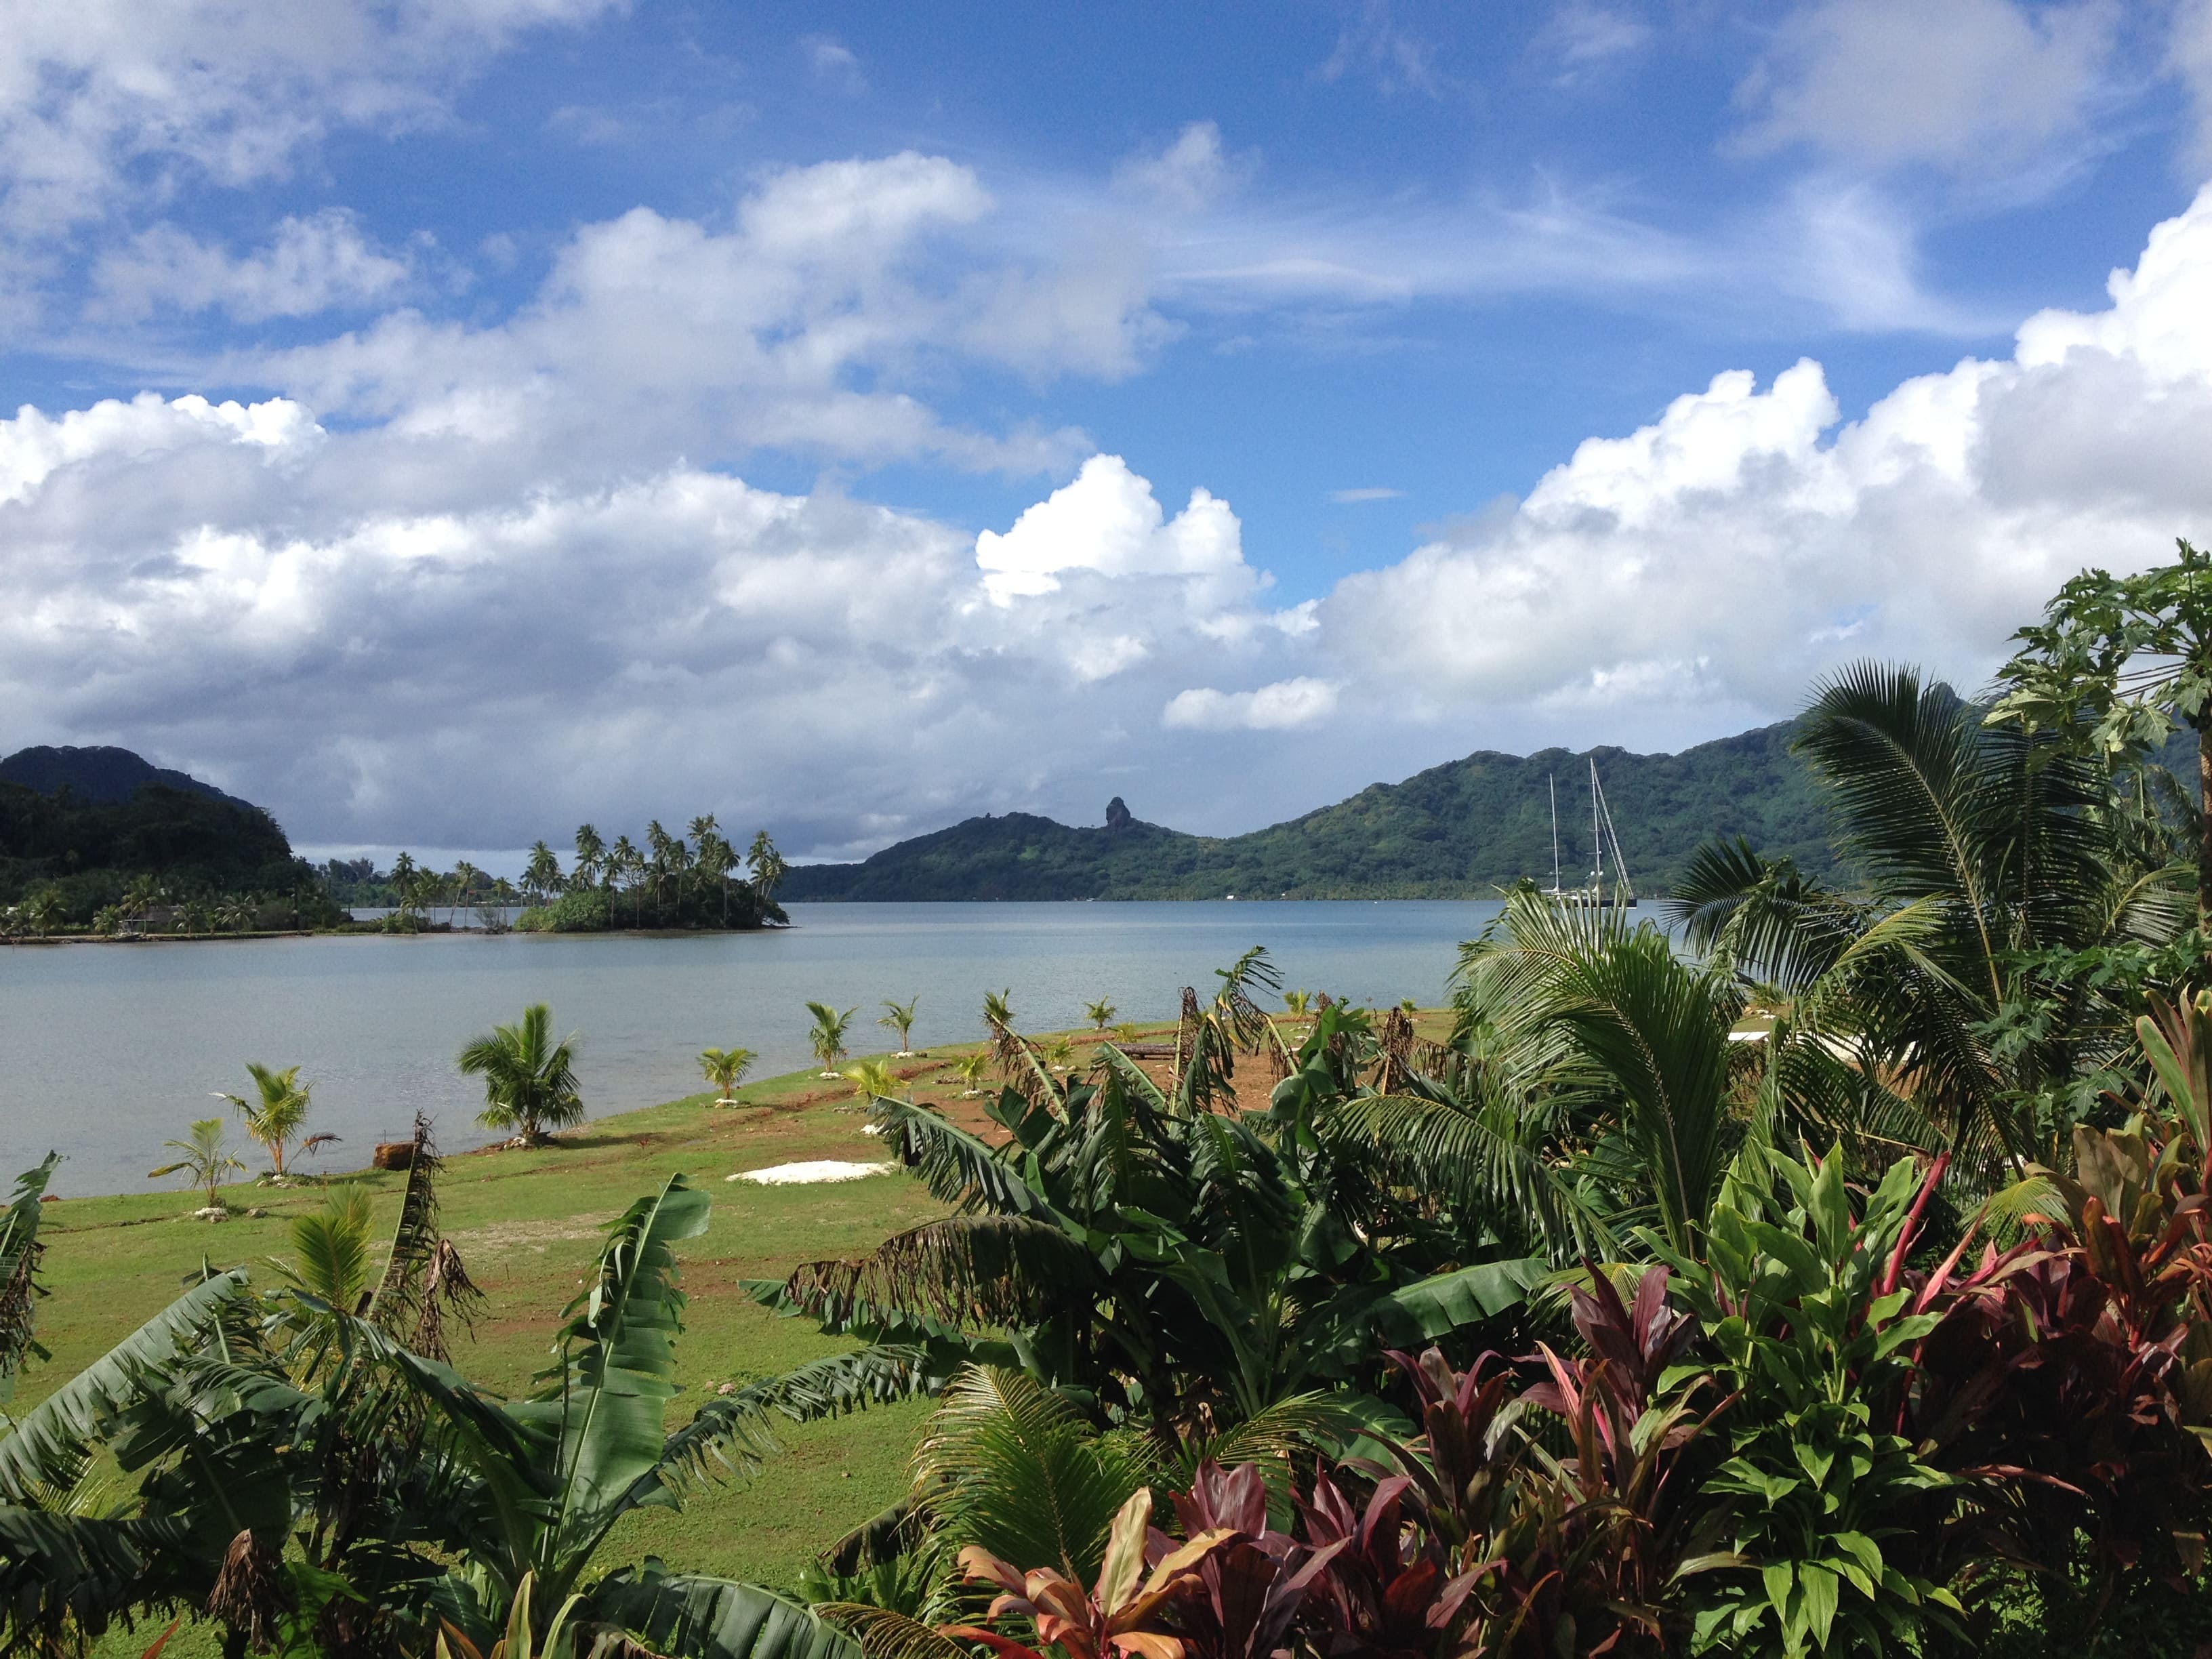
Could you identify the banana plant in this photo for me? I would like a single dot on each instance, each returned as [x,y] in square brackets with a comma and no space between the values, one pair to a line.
[538,1484]
[1166,1265]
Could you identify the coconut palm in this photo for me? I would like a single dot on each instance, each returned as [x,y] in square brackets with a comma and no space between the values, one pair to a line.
[767,866]
[142,896]
[715,857]
[899,1016]
[625,867]
[669,863]
[1100,1014]
[827,1039]
[971,1069]
[726,1068]
[871,1080]
[43,910]
[332,1258]
[205,1162]
[1998,848]
[542,875]
[591,860]
[276,1113]
[529,1080]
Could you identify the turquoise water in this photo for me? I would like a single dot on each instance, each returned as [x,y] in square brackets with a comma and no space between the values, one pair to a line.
[106,1051]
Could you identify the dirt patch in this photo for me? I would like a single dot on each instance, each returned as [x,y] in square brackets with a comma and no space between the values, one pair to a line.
[499,1237]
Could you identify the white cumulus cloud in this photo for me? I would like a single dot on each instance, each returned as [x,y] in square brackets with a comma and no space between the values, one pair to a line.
[313,264]
[1109,521]
[1718,558]
[1282,707]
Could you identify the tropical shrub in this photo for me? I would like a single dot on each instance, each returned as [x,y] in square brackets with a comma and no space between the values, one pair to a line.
[587,910]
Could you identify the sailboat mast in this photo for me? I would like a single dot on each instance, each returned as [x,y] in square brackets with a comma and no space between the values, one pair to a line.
[1597,841]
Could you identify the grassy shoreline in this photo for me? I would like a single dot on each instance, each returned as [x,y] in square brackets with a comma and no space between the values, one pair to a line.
[527,1224]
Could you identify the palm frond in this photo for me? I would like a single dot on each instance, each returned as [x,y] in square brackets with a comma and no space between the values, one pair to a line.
[1008,1465]
[20,1291]
[686,1616]
[958,1168]
[46,1437]
[1482,1158]
[1132,1076]
[67,1577]
[883,1634]
[967,1270]
[730,1431]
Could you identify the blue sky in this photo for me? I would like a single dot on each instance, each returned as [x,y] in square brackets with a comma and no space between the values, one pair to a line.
[446,422]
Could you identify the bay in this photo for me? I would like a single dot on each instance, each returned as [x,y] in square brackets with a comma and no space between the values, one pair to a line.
[106,1051]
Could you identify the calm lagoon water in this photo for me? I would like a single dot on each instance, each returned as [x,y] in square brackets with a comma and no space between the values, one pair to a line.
[106,1051]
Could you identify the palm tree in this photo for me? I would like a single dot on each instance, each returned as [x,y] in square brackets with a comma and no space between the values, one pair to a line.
[402,881]
[331,1257]
[627,865]
[1561,985]
[1297,1004]
[43,911]
[971,1069]
[827,1039]
[899,1016]
[276,1112]
[1100,1014]
[715,857]
[142,896]
[1995,849]
[871,1080]
[591,860]
[671,859]
[726,1068]
[529,1080]
[542,875]
[767,866]
[206,1160]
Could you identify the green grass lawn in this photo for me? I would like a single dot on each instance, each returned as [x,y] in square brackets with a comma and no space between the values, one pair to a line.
[527,1225]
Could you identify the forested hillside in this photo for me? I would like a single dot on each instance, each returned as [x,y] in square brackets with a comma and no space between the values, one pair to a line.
[1459,830]
[78,849]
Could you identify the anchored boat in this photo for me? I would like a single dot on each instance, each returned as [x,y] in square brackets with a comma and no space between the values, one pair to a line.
[1594,893]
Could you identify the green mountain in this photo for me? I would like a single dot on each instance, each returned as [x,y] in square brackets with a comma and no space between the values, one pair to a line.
[1459,830]
[85,825]
[102,774]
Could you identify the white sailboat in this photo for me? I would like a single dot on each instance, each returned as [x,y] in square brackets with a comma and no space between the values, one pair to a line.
[1622,894]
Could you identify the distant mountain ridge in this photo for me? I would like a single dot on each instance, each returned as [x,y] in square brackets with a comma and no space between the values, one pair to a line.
[1460,830]
[99,774]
